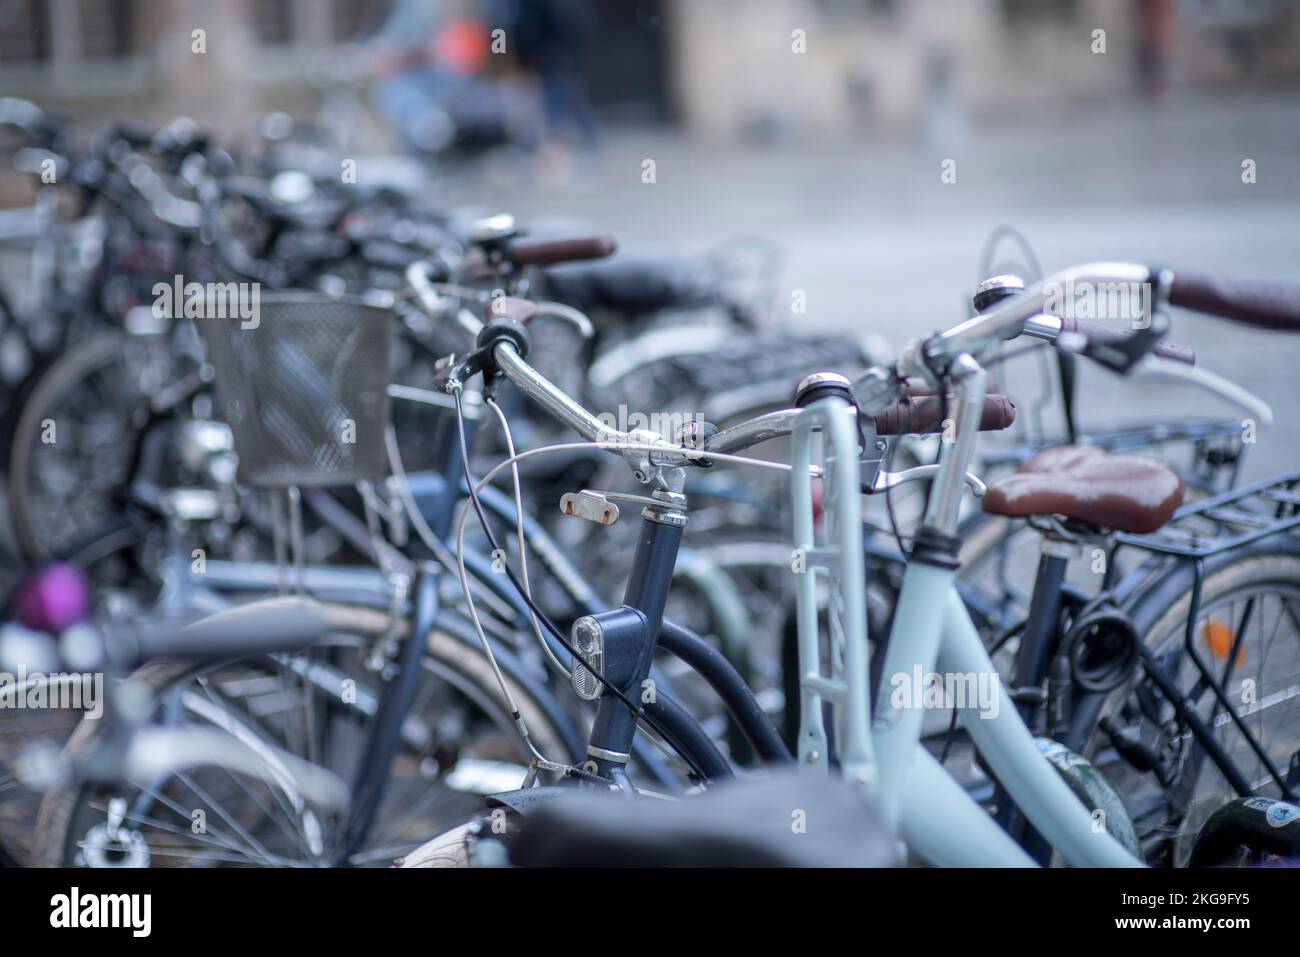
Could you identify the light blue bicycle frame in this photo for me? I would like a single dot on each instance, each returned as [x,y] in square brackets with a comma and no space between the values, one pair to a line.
[917,799]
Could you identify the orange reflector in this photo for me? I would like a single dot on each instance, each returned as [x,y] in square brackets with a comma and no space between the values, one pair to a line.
[1219,638]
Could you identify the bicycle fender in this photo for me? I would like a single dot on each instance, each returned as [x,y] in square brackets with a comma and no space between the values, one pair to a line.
[526,800]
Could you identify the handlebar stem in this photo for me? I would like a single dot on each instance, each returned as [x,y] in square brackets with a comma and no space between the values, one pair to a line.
[943,510]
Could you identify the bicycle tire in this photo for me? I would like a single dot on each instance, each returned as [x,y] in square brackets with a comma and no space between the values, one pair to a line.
[1159,608]
[69,368]
[55,843]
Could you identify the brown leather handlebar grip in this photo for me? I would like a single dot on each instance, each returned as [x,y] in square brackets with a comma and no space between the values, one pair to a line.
[1266,305]
[552,252]
[510,307]
[919,414]
[1101,332]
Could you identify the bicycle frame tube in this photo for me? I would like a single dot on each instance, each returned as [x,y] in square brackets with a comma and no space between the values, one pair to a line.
[614,729]
[1010,750]
[932,627]
[395,701]
[923,802]
[948,829]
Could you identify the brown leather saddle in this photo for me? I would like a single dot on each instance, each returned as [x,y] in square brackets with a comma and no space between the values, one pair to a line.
[1126,493]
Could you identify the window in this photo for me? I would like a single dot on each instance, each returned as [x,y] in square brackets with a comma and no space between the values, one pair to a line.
[24,31]
[282,23]
[357,19]
[86,47]
[1039,11]
[104,28]
[272,22]
[853,11]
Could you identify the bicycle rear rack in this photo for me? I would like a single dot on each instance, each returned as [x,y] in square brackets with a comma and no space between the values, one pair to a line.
[1225,521]
[1197,532]
[1217,450]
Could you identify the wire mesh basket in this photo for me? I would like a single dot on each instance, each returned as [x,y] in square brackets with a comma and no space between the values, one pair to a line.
[305,390]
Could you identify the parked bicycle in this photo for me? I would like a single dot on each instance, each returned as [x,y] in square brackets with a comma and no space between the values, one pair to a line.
[885,757]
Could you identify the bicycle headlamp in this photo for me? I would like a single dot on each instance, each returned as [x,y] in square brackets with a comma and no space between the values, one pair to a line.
[589,642]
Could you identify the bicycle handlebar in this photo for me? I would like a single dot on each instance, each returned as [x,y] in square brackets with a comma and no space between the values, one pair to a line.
[540,389]
[878,392]
[1265,305]
[916,414]
[920,414]
[552,252]
[260,627]
[33,120]
[1016,315]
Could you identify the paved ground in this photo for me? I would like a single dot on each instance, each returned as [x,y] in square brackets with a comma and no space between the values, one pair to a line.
[876,240]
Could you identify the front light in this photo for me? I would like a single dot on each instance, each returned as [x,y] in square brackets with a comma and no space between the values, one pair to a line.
[589,643]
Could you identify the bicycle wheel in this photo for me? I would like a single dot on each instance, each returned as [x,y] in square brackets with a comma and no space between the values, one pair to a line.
[73,444]
[458,743]
[30,741]
[1250,601]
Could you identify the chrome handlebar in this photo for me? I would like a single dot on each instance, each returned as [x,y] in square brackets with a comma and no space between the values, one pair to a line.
[557,402]
[752,432]
[954,352]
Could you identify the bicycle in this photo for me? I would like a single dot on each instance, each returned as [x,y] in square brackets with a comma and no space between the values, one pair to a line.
[885,756]
[65,814]
[195,746]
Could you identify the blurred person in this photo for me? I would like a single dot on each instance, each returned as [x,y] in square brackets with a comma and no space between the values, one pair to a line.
[434,86]
[551,38]
[1156,36]
[943,120]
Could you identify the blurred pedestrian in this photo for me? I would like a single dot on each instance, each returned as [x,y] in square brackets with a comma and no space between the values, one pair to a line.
[1156,32]
[551,39]
[431,57]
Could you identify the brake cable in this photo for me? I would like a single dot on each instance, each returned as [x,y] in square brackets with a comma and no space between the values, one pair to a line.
[550,626]
[540,615]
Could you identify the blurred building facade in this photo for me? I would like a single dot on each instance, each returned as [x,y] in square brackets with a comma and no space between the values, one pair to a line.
[719,67]
[884,63]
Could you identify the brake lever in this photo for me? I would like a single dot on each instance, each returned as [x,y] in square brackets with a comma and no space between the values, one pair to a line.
[573,317]
[883,481]
[418,278]
[1154,367]
[1118,355]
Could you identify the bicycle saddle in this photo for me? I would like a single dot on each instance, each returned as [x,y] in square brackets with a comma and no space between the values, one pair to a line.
[1126,493]
[787,820]
[635,284]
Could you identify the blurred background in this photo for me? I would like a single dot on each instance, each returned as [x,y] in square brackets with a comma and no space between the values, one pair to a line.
[878,142]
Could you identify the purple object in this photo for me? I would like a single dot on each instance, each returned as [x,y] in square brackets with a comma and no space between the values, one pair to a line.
[52,599]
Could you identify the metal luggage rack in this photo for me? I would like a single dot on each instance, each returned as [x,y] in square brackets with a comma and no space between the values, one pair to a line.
[1216,444]
[1222,522]
[1197,532]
